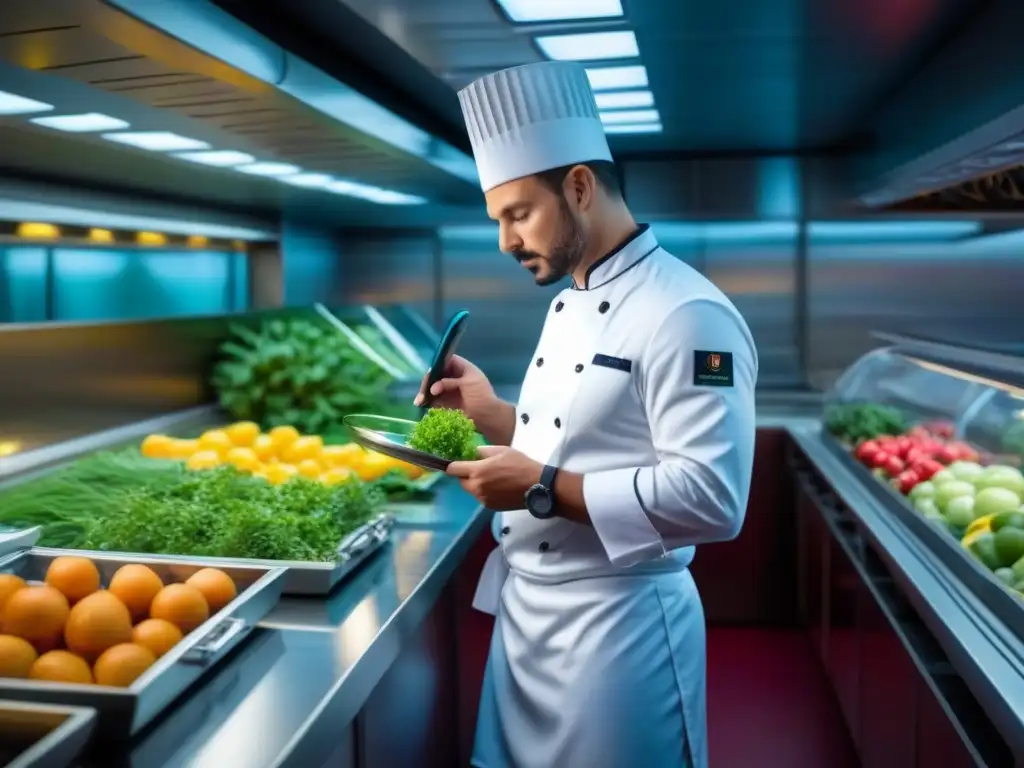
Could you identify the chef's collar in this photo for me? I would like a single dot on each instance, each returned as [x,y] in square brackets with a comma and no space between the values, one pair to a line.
[626,255]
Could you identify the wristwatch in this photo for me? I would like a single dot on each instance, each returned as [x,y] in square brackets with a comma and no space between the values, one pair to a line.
[540,499]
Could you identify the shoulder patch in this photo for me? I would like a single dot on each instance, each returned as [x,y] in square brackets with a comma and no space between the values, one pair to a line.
[712,369]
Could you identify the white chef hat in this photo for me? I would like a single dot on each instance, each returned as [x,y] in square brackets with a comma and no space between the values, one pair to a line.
[530,119]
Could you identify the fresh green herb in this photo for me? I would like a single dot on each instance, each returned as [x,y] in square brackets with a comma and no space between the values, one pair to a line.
[224,513]
[445,433]
[854,422]
[295,372]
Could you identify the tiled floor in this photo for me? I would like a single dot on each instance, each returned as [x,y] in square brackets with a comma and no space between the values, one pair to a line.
[769,704]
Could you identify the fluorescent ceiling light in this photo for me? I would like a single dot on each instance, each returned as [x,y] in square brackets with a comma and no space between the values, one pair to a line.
[633,128]
[156,141]
[11,104]
[269,169]
[218,158]
[589,46]
[374,194]
[560,10]
[310,180]
[630,116]
[613,78]
[91,122]
[624,100]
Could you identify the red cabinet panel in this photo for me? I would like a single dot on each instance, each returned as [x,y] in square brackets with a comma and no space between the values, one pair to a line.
[843,662]
[938,743]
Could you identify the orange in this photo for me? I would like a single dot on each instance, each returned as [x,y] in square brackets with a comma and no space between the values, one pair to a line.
[309,468]
[158,635]
[76,577]
[98,622]
[373,467]
[308,447]
[263,447]
[243,459]
[206,459]
[121,665]
[217,587]
[16,656]
[182,449]
[36,614]
[215,440]
[157,447]
[9,584]
[182,605]
[61,667]
[135,585]
[282,437]
[347,455]
[243,433]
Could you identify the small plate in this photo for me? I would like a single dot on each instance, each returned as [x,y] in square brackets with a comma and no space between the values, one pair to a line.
[389,436]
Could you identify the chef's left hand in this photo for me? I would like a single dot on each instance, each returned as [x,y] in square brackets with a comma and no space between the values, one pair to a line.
[499,479]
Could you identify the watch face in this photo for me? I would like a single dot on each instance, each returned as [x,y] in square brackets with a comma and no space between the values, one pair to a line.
[539,501]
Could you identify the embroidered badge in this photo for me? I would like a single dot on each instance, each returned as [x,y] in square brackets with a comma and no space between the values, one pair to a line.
[712,369]
[618,363]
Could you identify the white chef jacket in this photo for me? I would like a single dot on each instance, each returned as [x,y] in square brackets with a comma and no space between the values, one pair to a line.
[643,381]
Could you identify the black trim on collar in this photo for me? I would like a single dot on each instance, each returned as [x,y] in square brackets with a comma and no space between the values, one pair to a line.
[611,254]
[617,275]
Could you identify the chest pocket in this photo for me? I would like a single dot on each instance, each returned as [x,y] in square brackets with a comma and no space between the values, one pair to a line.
[607,393]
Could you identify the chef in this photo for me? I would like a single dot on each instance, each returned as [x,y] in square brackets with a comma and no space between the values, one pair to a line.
[631,443]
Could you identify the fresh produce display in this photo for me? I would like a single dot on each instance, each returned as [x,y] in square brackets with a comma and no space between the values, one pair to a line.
[70,629]
[293,372]
[446,433]
[947,481]
[277,456]
[853,422]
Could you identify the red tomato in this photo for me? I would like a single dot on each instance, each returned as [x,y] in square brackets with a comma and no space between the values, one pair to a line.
[866,450]
[894,465]
[927,468]
[915,455]
[879,460]
[918,433]
[907,480]
[947,454]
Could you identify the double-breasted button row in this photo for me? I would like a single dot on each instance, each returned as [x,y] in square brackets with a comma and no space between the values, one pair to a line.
[540,361]
[603,307]
[505,531]
[525,418]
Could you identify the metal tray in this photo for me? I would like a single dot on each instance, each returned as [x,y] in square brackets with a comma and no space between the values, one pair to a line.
[390,436]
[1002,601]
[306,578]
[43,735]
[122,712]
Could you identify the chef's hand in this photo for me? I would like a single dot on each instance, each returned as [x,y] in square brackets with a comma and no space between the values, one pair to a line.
[463,387]
[499,479]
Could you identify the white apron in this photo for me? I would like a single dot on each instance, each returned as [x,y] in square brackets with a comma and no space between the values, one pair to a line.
[598,653]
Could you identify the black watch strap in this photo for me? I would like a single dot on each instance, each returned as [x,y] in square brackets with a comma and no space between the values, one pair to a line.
[547,477]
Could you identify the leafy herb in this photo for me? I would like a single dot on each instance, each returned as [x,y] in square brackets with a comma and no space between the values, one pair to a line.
[853,422]
[445,433]
[295,372]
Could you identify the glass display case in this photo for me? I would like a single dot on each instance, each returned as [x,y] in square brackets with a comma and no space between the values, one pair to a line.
[936,432]
[378,339]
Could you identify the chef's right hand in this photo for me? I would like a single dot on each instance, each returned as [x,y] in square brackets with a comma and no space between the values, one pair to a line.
[463,387]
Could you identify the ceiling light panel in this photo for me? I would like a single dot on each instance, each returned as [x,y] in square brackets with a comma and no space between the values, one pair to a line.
[156,141]
[624,99]
[633,128]
[589,46]
[616,78]
[526,11]
[269,169]
[217,158]
[308,180]
[91,122]
[625,116]
[12,104]
[374,194]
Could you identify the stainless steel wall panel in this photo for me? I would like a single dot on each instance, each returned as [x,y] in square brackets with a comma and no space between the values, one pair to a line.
[311,265]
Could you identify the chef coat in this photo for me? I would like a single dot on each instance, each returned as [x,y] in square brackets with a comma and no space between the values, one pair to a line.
[643,381]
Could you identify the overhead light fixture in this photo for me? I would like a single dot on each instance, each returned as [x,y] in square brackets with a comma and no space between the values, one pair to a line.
[625,116]
[269,169]
[38,230]
[624,100]
[374,194]
[151,238]
[98,235]
[197,241]
[525,11]
[620,128]
[615,78]
[309,180]
[156,141]
[217,158]
[91,122]
[589,46]
[11,104]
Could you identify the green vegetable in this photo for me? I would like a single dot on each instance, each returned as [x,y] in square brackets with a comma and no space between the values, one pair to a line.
[295,372]
[445,433]
[224,513]
[855,422]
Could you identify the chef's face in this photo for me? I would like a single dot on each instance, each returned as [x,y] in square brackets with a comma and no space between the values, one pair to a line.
[539,227]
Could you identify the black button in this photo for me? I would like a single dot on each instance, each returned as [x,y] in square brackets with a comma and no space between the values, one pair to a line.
[540,361]
[558,423]
[505,531]
[558,306]
[543,546]
[525,418]
[579,367]
[604,307]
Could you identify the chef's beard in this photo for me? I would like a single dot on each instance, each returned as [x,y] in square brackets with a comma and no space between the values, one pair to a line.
[566,254]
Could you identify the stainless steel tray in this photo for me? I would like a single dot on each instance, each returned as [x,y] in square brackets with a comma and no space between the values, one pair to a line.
[313,579]
[43,735]
[122,712]
[390,436]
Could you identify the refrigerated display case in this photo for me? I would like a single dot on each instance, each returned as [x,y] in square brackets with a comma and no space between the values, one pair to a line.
[951,472]
[374,335]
